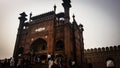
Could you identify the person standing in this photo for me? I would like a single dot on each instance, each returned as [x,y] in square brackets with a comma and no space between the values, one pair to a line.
[58,59]
[12,62]
[50,63]
[64,64]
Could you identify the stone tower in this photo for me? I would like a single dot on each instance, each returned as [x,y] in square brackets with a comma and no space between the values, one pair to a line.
[18,44]
[50,33]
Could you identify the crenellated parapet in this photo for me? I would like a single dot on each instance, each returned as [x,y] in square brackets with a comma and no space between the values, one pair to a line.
[103,49]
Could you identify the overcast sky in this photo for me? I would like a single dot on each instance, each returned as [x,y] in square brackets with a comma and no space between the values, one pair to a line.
[101,20]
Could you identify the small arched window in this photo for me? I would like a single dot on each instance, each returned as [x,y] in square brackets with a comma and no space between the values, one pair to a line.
[59,45]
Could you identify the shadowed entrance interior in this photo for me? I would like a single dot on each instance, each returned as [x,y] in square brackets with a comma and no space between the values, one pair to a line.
[39,46]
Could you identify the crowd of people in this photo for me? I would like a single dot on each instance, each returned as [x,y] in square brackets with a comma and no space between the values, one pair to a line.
[52,62]
[14,63]
[7,63]
[60,62]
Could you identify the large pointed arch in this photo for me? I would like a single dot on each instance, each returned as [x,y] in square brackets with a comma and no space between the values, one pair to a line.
[38,45]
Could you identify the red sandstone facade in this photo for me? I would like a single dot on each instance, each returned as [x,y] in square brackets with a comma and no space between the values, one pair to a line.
[54,34]
[108,57]
[50,33]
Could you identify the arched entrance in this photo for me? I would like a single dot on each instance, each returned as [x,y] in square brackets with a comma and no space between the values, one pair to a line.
[110,63]
[39,50]
[39,46]
[59,48]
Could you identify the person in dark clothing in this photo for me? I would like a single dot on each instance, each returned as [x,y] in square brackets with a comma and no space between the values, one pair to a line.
[16,60]
[58,60]
[0,64]
[54,66]
[5,63]
[64,63]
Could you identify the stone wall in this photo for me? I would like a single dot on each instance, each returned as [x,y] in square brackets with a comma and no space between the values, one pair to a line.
[98,57]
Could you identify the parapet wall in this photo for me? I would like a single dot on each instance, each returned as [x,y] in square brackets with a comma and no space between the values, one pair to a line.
[103,49]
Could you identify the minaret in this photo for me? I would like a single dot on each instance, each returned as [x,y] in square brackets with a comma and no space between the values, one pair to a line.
[30,17]
[54,32]
[22,19]
[67,29]
[74,39]
[66,4]
[54,8]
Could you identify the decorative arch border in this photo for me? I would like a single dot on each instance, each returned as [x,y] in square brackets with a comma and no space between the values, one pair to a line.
[36,38]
